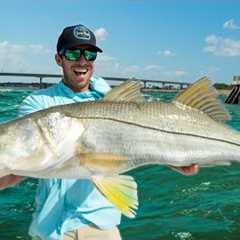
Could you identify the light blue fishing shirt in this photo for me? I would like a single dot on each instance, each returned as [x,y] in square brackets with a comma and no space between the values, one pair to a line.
[63,205]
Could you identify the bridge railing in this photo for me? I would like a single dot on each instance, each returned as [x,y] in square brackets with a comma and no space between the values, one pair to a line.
[147,83]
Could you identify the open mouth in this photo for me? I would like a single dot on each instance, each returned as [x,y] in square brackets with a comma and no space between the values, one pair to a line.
[80,71]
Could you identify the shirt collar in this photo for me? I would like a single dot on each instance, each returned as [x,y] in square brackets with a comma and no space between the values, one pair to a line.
[90,94]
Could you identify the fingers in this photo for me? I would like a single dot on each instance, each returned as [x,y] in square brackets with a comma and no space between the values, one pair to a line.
[187,170]
[9,180]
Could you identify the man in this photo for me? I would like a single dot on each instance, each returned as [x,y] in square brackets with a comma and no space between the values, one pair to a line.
[73,209]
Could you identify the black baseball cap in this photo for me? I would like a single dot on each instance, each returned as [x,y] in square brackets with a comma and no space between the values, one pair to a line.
[74,36]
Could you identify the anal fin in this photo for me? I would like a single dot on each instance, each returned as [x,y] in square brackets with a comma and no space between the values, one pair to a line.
[103,162]
[121,191]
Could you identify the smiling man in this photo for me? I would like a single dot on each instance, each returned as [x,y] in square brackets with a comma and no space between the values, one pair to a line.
[76,53]
[73,209]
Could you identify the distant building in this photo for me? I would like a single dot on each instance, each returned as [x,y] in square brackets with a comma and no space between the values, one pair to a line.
[234,96]
[236,80]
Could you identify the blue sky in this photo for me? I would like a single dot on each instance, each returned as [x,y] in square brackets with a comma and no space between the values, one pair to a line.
[149,39]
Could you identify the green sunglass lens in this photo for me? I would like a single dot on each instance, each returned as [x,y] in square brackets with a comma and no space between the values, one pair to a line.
[90,56]
[72,55]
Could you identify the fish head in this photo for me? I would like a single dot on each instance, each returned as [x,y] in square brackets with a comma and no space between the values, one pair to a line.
[39,141]
[17,140]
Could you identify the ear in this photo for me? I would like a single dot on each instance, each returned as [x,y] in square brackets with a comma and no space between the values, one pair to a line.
[58,59]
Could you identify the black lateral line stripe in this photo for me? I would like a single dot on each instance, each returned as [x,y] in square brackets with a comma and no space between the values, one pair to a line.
[161,130]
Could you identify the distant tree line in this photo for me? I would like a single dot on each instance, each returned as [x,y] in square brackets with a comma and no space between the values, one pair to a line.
[222,86]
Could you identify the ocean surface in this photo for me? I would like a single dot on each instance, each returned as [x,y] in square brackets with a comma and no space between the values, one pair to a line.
[172,206]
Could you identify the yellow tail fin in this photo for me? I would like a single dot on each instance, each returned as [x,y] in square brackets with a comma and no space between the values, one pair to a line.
[121,191]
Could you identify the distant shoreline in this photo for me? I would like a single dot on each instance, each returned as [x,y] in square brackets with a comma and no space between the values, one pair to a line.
[25,85]
[224,92]
[144,90]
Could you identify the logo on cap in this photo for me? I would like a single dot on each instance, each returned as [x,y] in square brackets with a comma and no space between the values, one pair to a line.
[82,33]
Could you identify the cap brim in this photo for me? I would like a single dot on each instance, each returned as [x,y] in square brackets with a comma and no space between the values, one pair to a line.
[97,49]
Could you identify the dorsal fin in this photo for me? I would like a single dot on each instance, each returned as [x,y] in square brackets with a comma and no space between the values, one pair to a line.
[128,91]
[202,96]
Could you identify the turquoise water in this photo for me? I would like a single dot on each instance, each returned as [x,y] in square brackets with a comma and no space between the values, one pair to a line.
[206,206]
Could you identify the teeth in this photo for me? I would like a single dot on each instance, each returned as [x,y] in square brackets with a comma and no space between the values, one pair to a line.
[81,70]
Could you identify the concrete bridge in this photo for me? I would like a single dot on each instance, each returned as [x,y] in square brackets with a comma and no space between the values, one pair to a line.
[114,81]
[234,96]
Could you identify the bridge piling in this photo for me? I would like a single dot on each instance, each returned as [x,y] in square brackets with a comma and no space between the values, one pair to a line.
[233,97]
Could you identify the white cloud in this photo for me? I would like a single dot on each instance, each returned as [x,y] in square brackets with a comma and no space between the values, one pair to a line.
[39,49]
[230,24]
[109,66]
[210,71]
[180,73]
[25,58]
[175,74]
[105,58]
[152,68]
[101,34]
[167,53]
[132,69]
[222,46]
[6,47]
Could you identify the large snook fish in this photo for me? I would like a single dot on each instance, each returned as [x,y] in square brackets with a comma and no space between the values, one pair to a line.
[100,140]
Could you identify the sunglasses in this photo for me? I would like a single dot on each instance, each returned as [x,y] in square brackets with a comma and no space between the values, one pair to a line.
[75,54]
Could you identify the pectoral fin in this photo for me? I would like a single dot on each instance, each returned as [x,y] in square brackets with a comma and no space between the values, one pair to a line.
[103,162]
[121,191]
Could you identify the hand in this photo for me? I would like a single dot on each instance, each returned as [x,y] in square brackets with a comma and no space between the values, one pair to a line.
[187,170]
[9,180]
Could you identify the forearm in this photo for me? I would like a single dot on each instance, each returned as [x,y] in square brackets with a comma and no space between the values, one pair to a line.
[10,180]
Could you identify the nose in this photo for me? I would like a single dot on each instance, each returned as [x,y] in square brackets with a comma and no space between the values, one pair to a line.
[82,59]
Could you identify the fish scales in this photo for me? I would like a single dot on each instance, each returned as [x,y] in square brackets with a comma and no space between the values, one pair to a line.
[157,115]
[150,146]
